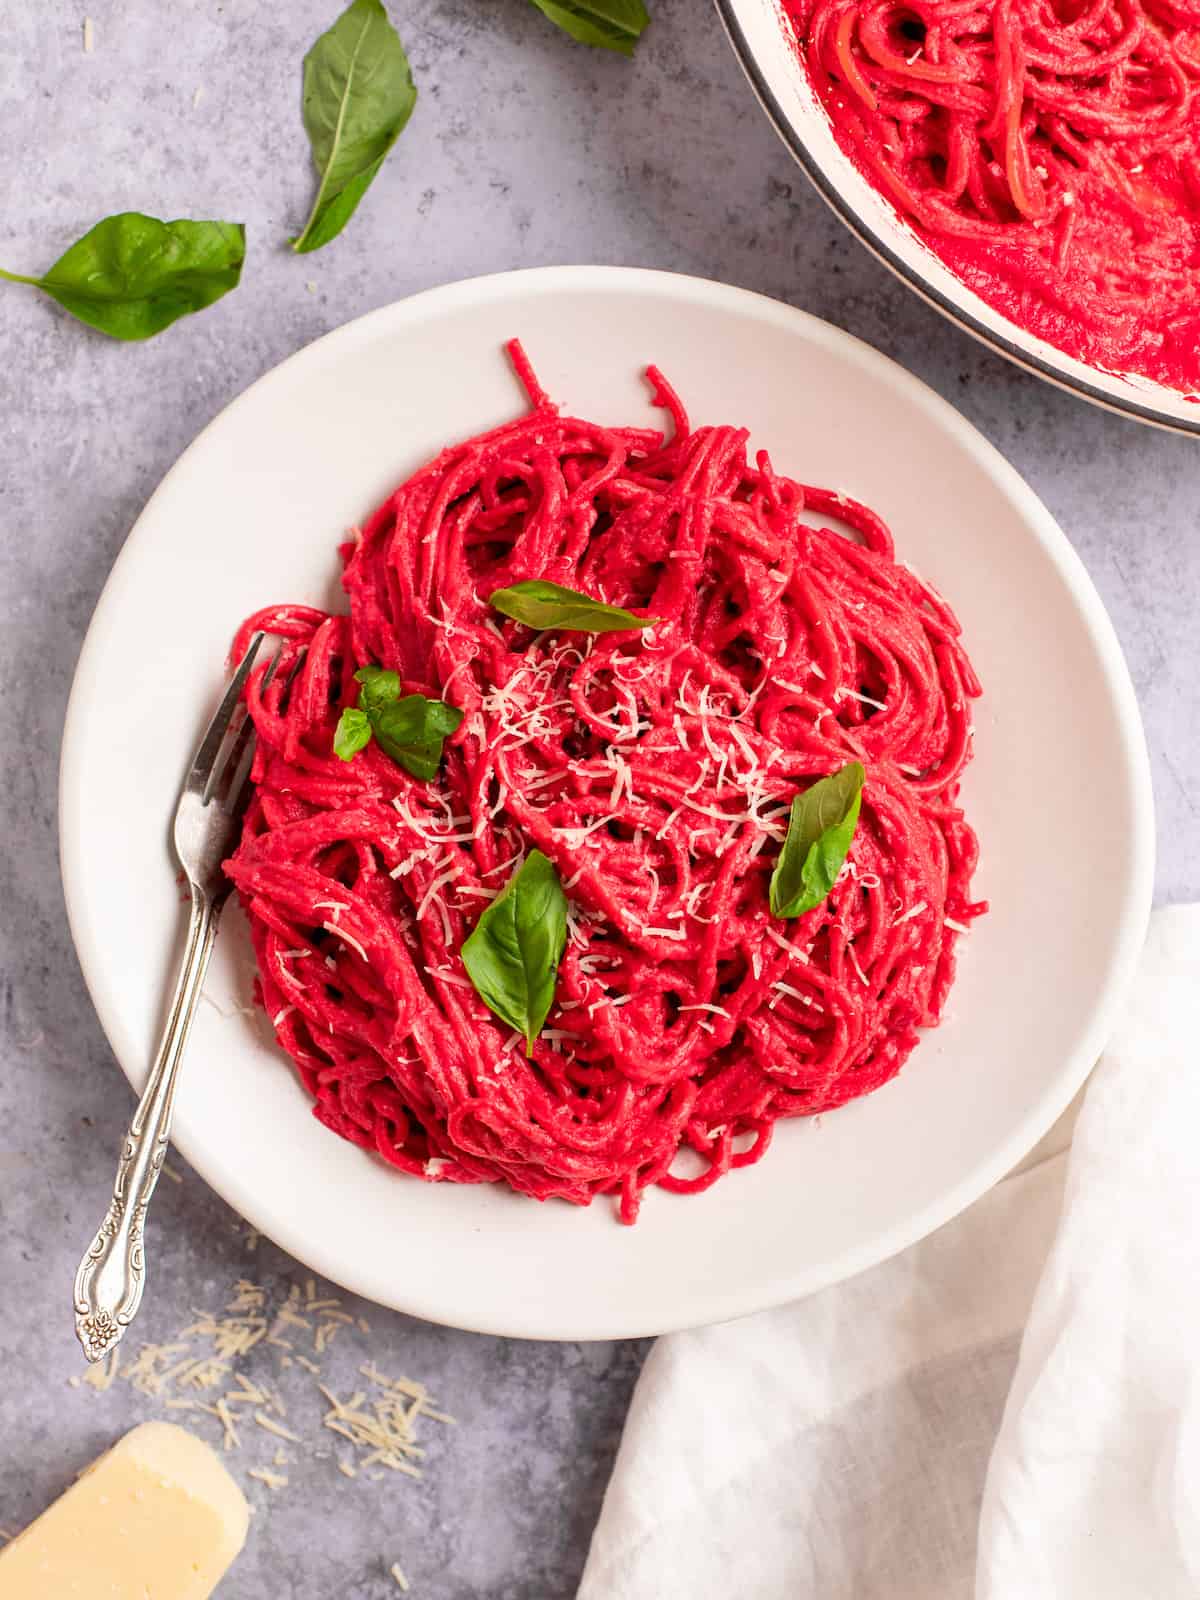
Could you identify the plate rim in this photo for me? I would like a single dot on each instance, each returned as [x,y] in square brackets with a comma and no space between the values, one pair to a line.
[843,208]
[781,1285]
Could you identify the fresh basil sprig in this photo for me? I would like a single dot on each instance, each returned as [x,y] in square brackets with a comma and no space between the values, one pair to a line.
[548,605]
[358,96]
[411,730]
[131,276]
[512,955]
[611,24]
[820,832]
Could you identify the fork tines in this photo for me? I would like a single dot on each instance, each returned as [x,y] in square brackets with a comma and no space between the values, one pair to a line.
[228,743]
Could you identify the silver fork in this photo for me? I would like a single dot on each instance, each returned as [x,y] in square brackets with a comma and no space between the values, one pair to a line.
[112,1275]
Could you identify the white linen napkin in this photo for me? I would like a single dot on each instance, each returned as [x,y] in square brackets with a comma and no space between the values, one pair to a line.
[838,1448]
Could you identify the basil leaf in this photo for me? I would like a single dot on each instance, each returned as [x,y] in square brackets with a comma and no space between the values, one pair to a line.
[380,686]
[513,953]
[358,96]
[412,731]
[353,734]
[820,832]
[548,605]
[611,24]
[131,276]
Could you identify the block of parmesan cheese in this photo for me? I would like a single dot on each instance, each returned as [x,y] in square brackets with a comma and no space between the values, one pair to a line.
[156,1518]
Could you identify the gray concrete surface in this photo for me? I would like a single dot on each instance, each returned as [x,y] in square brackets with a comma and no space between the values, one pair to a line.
[525,149]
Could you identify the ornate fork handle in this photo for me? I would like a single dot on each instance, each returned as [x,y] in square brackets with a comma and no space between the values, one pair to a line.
[112,1275]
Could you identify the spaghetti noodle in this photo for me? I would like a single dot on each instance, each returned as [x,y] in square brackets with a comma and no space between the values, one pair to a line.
[1046,149]
[653,767]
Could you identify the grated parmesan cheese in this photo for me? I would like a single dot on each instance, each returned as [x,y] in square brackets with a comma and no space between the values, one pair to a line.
[435,887]
[668,822]
[744,745]
[264,1421]
[332,927]
[273,1480]
[381,1426]
[491,871]
[789,950]
[853,694]
[795,994]
[853,954]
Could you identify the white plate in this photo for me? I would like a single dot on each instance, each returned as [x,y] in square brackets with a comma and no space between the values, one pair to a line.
[1059,794]
[759,34]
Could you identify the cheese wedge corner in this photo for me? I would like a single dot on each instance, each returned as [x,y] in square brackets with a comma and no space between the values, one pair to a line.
[156,1516]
